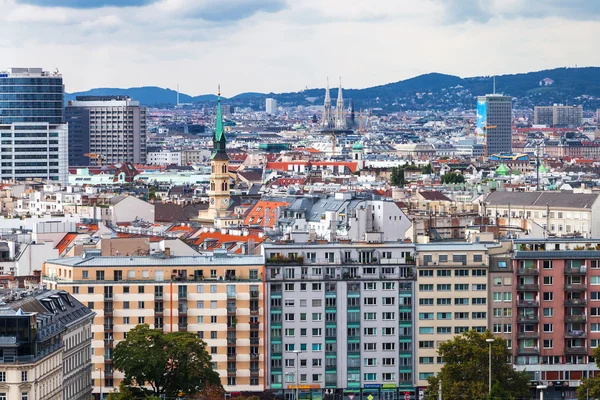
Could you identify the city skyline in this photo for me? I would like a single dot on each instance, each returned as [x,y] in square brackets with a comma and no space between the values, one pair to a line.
[289,45]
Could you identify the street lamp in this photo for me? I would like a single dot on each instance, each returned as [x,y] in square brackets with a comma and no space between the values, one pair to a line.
[100,369]
[490,341]
[297,377]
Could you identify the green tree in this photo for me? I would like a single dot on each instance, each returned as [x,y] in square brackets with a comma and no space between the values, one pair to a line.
[168,363]
[397,177]
[428,169]
[590,387]
[453,177]
[465,371]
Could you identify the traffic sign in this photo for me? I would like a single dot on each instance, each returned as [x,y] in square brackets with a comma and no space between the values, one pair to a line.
[350,397]
[406,396]
[370,397]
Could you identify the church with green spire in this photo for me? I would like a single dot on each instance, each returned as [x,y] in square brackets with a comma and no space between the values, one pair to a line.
[219,191]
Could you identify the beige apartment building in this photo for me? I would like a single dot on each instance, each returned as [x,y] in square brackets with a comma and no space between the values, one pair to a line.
[452,293]
[219,297]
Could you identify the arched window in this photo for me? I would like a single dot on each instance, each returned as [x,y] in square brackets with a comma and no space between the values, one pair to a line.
[212,168]
[212,186]
[224,186]
[224,169]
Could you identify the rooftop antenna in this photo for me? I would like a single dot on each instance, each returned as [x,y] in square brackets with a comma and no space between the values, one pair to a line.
[178,94]
[494,89]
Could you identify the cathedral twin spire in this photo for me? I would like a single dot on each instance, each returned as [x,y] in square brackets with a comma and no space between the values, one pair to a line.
[337,121]
[219,139]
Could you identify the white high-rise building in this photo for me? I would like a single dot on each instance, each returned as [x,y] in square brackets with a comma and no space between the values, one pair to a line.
[271,106]
[34,139]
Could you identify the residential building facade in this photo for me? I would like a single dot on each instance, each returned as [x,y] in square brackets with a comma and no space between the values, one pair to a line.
[112,127]
[342,316]
[558,115]
[219,297]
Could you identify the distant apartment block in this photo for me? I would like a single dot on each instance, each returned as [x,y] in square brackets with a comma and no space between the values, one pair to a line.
[558,116]
[271,106]
[341,315]
[494,121]
[112,127]
[164,157]
[34,138]
[219,297]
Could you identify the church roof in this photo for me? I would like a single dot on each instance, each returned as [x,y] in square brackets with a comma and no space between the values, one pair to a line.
[357,146]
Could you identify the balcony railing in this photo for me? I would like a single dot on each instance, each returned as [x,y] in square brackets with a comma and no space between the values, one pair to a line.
[528,335]
[108,327]
[575,334]
[575,287]
[528,350]
[575,302]
[576,350]
[575,318]
[108,343]
[528,303]
[528,271]
[528,286]
[528,318]
[575,271]
[254,311]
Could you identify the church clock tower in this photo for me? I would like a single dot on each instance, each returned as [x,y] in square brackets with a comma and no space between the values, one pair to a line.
[219,169]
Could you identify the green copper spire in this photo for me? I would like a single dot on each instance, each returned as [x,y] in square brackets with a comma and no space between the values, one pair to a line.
[219,140]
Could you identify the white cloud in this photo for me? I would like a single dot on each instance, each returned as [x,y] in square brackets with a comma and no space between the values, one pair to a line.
[276,46]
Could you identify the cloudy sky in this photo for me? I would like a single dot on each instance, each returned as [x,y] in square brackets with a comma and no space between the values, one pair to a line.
[286,45]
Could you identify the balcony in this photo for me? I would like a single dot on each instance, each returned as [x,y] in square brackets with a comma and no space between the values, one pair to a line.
[528,351]
[528,335]
[254,311]
[231,371]
[182,310]
[108,312]
[528,303]
[159,311]
[254,371]
[254,326]
[575,271]
[254,356]
[231,341]
[575,302]
[576,350]
[575,287]
[108,327]
[254,294]
[231,311]
[158,295]
[231,296]
[231,357]
[575,318]
[108,343]
[231,327]
[254,341]
[183,328]
[528,319]
[528,286]
[278,260]
[575,334]
[528,271]
[108,296]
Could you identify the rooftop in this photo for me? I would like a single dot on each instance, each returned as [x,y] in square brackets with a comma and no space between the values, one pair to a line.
[154,261]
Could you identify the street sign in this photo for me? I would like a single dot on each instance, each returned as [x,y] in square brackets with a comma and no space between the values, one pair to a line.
[350,397]
[370,397]
[406,396]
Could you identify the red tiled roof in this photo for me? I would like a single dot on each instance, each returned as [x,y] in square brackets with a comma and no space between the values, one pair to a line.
[65,242]
[256,215]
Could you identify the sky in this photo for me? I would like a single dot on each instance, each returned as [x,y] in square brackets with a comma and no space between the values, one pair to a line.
[287,45]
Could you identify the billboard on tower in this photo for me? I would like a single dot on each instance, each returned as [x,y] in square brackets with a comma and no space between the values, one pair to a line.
[481,116]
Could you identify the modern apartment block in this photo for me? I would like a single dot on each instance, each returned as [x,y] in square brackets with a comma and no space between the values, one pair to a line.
[558,115]
[45,339]
[33,136]
[112,127]
[557,311]
[494,120]
[452,292]
[219,297]
[340,319]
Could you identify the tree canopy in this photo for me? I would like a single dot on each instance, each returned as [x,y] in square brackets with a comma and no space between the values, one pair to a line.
[453,177]
[428,169]
[465,372]
[397,177]
[590,387]
[168,363]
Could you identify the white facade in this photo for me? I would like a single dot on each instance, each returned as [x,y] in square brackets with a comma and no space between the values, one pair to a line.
[34,150]
[271,106]
[164,158]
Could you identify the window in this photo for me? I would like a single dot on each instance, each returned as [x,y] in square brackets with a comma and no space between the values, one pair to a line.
[316,287]
[477,258]
[289,332]
[289,347]
[461,287]
[548,328]
[548,280]
[426,344]
[497,312]
[461,272]
[548,296]
[388,285]
[370,362]
[461,315]
[444,315]
[317,347]
[370,331]
[213,304]
[426,330]
[425,316]
[461,301]
[388,331]
[479,286]
[548,312]
[388,362]
[426,287]
[497,296]
[370,301]
[479,315]
[425,360]
[370,316]
[479,300]
[425,302]
[24,396]
[444,287]
[424,375]
[444,330]
[370,346]
[548,344]
[370,286]
[126,320]
[444,302]
[23,376]
[595,280]
[497,281]
[508,312]
[388,316]
[460,329]
[389,301]
[444,272]
[479,272]
[289,287]
[370,377]
[426,273]
[289,316]
[507,296]
[141,304]
[547,264]
[317,316]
